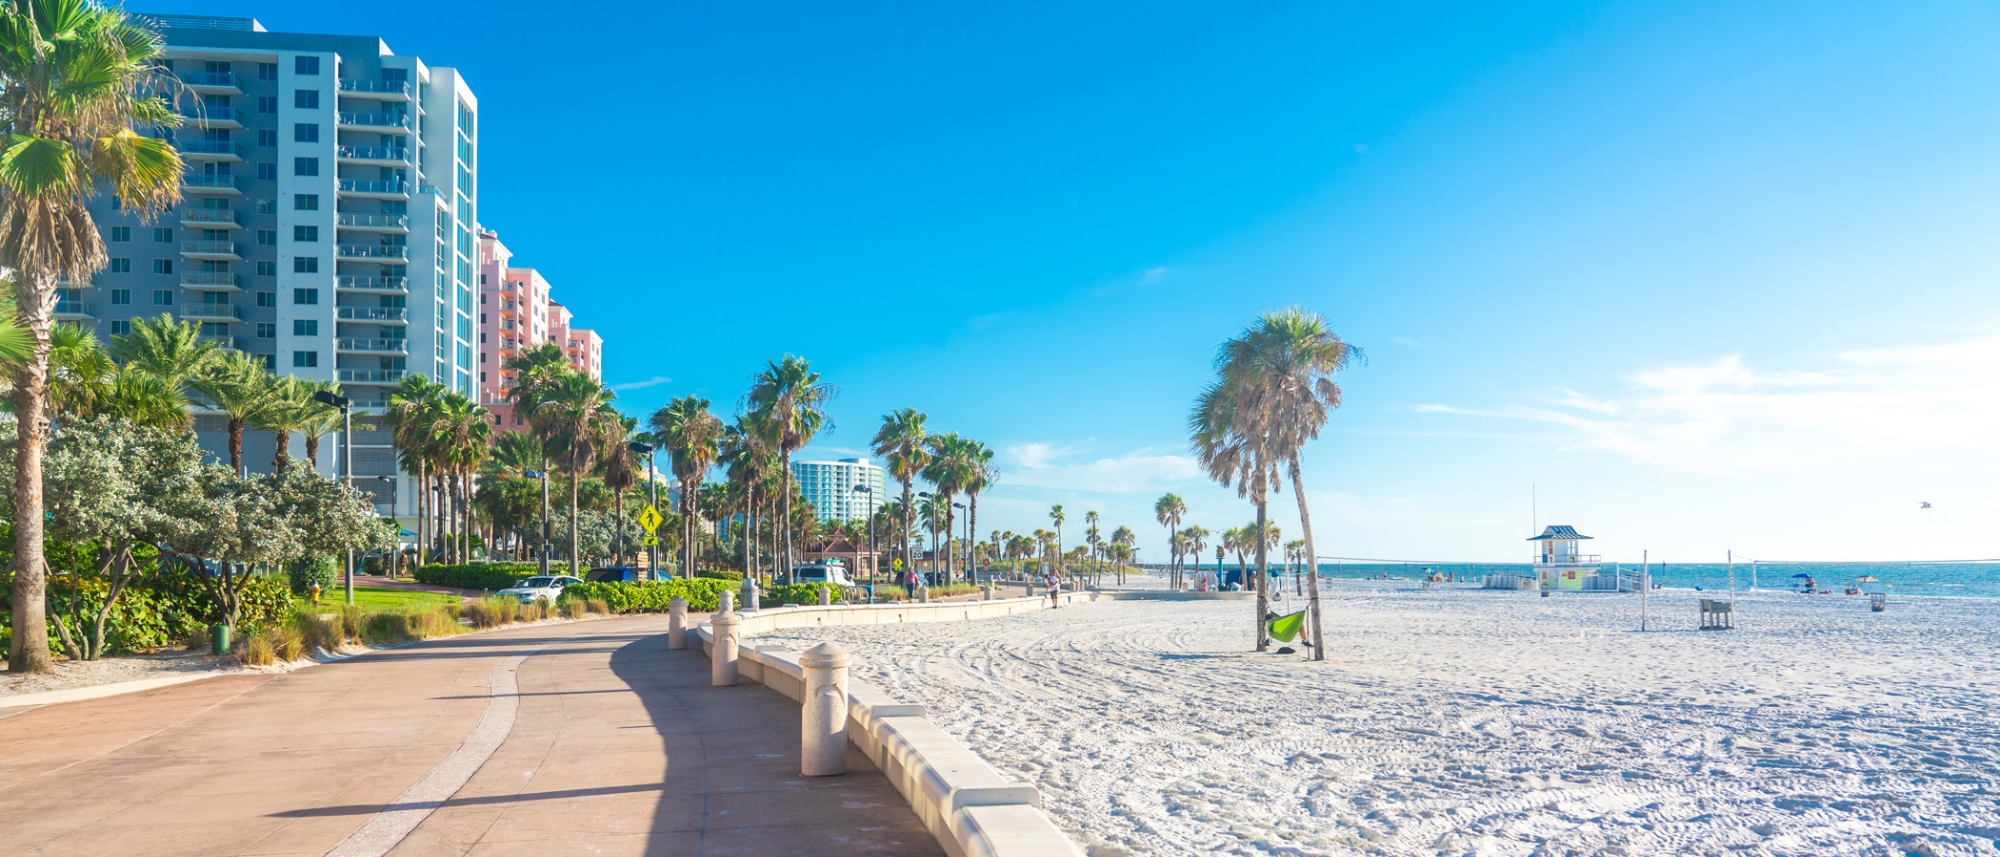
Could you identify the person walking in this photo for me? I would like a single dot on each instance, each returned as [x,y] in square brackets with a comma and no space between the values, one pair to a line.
[1054,583]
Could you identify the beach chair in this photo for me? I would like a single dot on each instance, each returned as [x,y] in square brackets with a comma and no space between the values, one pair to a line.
[1717,615]
[1878,602]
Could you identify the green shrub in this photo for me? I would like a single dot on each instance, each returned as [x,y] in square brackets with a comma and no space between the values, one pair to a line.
[702,594]
[490,576]
[573,609]
[158,611]
[438,622]
[386,628]
[719,574]
[492,612]
[798,593]
[350,618]
[197,639]
[317,633]
[323,570]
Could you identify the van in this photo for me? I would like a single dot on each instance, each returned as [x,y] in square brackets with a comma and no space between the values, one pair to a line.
[821,574]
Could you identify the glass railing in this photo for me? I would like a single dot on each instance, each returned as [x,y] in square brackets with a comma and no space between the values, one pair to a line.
[373,284]
[383,87]
[373,153]
[376,120]
[209,147]
[370,313]
[198,279]
[374,251]
[394,346]
[209,114]
[215,310]
[371,376]
[212,248]
[209,78]
[372,221]
[226,343]
[73,308]
[357,186]
[203,180]
[211,215]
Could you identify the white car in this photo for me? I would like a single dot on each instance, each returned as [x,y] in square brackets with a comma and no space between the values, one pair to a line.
[549,587]
[834,574]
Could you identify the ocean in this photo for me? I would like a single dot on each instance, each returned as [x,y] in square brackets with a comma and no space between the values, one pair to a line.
[1969,579]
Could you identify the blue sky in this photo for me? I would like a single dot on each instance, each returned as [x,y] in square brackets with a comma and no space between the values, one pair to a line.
[1707,276]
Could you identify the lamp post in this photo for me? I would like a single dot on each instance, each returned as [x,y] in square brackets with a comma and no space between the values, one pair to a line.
[395,554]
[871,527]
[968,542]
[930,526]
[346,462]
[542,551]
[652,499]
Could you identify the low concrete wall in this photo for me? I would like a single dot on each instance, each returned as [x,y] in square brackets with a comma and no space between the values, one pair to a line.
[972,809]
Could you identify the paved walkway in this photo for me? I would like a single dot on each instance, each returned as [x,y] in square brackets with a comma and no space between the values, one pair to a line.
[575,738]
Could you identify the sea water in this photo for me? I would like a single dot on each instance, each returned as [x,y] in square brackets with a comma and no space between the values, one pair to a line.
[1976,579]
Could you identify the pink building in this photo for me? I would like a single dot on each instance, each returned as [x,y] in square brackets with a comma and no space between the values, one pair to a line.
[516,314]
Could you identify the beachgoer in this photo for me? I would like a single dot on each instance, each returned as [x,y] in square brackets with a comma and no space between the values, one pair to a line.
[1054,584]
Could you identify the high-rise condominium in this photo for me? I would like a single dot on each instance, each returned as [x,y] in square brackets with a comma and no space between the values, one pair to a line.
[829,487]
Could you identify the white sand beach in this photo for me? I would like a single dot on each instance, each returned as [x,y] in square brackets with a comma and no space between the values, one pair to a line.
[1461,721]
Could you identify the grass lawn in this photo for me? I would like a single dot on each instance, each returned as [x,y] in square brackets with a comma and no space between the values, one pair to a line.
[376,599]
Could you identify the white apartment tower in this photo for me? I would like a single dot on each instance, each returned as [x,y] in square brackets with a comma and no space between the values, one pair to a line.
[327,222]
[829,487]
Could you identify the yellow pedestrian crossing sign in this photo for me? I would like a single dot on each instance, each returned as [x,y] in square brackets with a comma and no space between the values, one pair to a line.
[652,540]
[650,519]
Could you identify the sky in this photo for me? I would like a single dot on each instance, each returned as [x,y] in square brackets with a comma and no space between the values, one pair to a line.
[1691,277]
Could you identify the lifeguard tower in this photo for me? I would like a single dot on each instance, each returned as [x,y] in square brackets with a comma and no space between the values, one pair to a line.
[1557,562]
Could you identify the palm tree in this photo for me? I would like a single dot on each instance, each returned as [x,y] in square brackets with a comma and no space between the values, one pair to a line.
[171,351]
[1123,539]
[949,469]
[621,472]
[460,435]
[1295,557]
[980,475]
[321,419]
[80,373]
[1274,391]
[750,465]
[289,411]
[1197,539]
[412,411]
[1168,510]
[692,436]
[1090,532]
[534,370]
[573,412]
[78,77]
[900,442]
[1056,515]
[238,385]
[789,400]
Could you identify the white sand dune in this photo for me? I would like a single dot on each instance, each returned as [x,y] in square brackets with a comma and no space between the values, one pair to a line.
[1474,722]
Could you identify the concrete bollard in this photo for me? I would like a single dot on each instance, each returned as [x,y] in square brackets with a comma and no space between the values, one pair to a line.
[826,596]
[986,592]
[924,593]
[749,599]
[722,661]
[726,602]
[677,623]
[823,722]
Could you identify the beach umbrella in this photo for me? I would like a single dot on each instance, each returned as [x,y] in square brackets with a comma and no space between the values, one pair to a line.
[1801,574]
[1866,578]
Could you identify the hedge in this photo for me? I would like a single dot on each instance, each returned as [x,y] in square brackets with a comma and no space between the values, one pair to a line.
[702,594]
[490,576]
[158,611]
[798,593]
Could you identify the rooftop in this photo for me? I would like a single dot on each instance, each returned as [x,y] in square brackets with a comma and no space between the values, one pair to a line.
[1558,532]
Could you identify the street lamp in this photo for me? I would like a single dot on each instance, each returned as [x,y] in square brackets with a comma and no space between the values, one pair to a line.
[930,526]
[543,550]
[331,399]
[872,569]
[968,542]
[652,499]
[396,554]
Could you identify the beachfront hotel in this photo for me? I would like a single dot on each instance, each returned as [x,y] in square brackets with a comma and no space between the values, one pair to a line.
[516,313]
[829,487]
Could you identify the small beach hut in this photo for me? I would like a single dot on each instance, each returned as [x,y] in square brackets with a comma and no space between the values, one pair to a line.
[1557,561]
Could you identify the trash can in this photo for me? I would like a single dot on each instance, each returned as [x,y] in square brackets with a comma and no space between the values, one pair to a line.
[218,639]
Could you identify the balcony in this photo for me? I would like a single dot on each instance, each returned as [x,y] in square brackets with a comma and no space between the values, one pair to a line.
[372,346]
[377,285]
[371,376]
[1560,560]
[372,155]
[207,117]
[218,251]
[371,252]
[224,342]
[211,218]
[392,90]
[215,184]
[374,121]
[508,307]
[212,83]
[74,310]
[210,150]
[390,189]
[381,314]
[372,222]
[212,312]
[213,281]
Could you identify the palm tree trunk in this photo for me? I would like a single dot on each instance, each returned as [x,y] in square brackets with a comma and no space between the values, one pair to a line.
[471,516]
[312,449]
[574,478]
[28,651]
[1311,563]
[785,453]
[618,542]
[907,562]
[1263,595]
[972,524]
[423,506]
[235,445]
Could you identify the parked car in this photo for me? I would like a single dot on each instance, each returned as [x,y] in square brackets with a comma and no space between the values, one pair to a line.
[614,574]
[836,574]
[539,586]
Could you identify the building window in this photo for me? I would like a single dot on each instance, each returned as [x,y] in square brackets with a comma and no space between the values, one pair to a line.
[305,166]
[267,330]
[305,359]
[121,233]
[267,206]
[120,328]
[305,202]
[267,268]
[163,235]
[305,233]
[307,99]
[267,71]
[305,296]
[305,265]
[267,104]
[270,362]
[163,266]
[305,65]
[305,132]
[163,297]
[267,299]
[267,237]
[267,172]
[121,296]
[121,265]
[305,327]
[267,136]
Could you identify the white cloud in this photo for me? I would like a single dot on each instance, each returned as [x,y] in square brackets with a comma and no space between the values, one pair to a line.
[1927,407]
[654,381]
[1041,465]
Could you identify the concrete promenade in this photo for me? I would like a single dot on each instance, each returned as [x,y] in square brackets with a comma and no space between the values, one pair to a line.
[574,738]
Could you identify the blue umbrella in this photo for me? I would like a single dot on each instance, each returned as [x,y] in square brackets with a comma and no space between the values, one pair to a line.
[1802,574]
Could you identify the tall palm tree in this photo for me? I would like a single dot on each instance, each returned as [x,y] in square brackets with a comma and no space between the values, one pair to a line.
[321,419]
[413,404]
[692,436]
[981,473]
[1168,510]
[238,385]
[1056,515]
[1090,532]
[534,370]
[171,351]
[789,400]
[1123,539]
[461,433]
[621,472]
[1273,393]
[1197,539]
[949,469]
[574,412]
[900,442]
[141,398]
[75,79]
[750,465]
[81,373]
[289,410]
